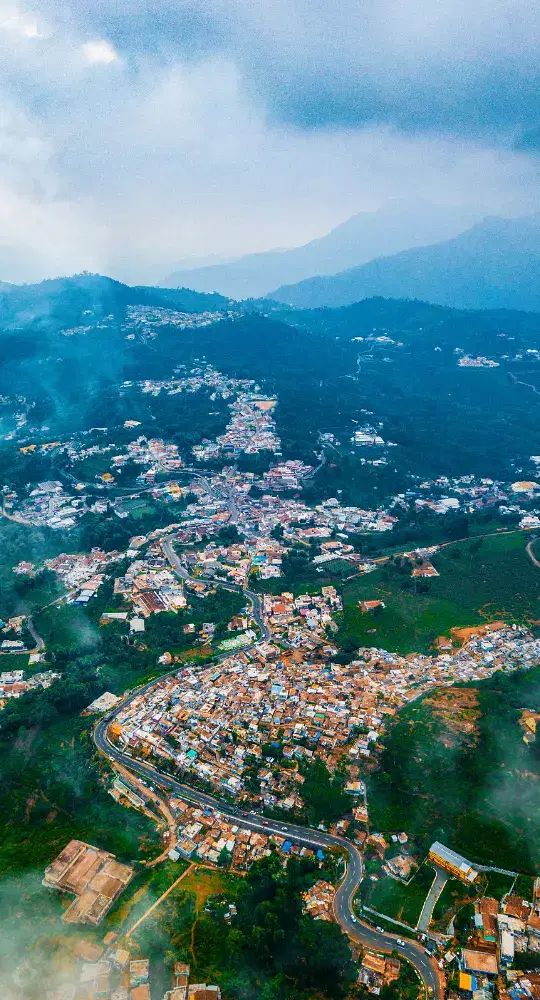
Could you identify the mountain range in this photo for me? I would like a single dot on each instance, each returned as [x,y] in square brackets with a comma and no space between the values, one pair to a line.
[493,265]
[398,225]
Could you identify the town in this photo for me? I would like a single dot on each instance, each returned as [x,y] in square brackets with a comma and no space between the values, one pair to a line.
[252,708]
[63,504]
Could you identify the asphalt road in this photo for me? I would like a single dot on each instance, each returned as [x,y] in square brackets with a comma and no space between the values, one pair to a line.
[357,930]
[255,599]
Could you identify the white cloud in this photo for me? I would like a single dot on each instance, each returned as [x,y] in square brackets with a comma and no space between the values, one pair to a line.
[99,52]
[19,23]
[44,230]
[128,171]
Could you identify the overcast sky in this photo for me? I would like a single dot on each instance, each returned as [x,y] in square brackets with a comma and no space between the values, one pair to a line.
[134,134]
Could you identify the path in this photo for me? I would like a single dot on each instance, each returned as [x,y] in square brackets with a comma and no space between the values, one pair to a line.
[40,643]
[380,560]
[162,805]
[528,385]
[158,901]
[14,517]
[38,648]
[437,886]
[530,553]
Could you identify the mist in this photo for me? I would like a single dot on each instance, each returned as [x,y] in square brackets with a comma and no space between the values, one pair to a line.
[133,142]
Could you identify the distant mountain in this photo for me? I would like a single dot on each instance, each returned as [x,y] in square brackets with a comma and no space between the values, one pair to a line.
[494,265]
[396,226]
[194,263]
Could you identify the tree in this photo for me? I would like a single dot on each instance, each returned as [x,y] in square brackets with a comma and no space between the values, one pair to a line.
[271,932]
[324,796]
[225,858]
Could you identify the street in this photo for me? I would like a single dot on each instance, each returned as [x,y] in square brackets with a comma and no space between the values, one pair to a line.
[357,930]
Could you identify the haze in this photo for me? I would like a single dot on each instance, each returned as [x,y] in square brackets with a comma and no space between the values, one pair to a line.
[134,136]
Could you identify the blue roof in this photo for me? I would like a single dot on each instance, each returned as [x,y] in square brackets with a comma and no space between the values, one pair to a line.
[287,846]
[320,854]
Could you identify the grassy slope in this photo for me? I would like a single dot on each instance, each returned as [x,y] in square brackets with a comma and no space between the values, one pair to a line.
[478,792]
[50,794]
[403,902]
[498,580]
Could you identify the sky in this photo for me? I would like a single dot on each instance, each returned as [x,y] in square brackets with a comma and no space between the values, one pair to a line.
[137,133]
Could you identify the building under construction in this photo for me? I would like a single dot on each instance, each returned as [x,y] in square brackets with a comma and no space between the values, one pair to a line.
[95,877]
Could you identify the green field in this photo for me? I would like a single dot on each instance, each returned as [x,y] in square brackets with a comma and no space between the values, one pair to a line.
[402,902]
[480,580]
[454,895]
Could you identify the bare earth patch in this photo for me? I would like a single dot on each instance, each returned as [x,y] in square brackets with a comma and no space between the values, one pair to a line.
[458,711]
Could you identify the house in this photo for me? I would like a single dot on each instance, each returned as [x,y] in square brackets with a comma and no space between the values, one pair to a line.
[481,962]
[487,910]
[366,606]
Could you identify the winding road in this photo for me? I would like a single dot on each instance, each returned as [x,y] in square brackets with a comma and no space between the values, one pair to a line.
[530,553]
[358,931]
[255,599]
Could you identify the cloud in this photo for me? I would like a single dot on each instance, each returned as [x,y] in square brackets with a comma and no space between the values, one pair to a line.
[451,66]
[99,52]
[455,68]
[15,22]
[233,126]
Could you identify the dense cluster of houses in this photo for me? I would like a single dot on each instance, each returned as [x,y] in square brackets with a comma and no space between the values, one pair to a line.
[150,585]
[318,900]
[377,971]
[503,932]
[14,683]
[250,430]
[47,504]
[82,573]
[201,377]
[244,726]
[145,320]
[207,835]
[111,974]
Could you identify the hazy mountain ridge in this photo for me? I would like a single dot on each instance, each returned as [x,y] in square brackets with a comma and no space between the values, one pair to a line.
[493,265]
[396,226]
[406,373]
[64,301]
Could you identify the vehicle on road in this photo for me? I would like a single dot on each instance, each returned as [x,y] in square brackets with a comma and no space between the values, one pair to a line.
[400,942]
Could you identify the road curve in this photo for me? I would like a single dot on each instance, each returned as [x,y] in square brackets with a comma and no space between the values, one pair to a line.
[255,599]
[358,931]
[530,553]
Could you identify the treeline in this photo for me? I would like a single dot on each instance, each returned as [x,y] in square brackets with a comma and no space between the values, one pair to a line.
[79,684]
[273,941]
[473,789]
